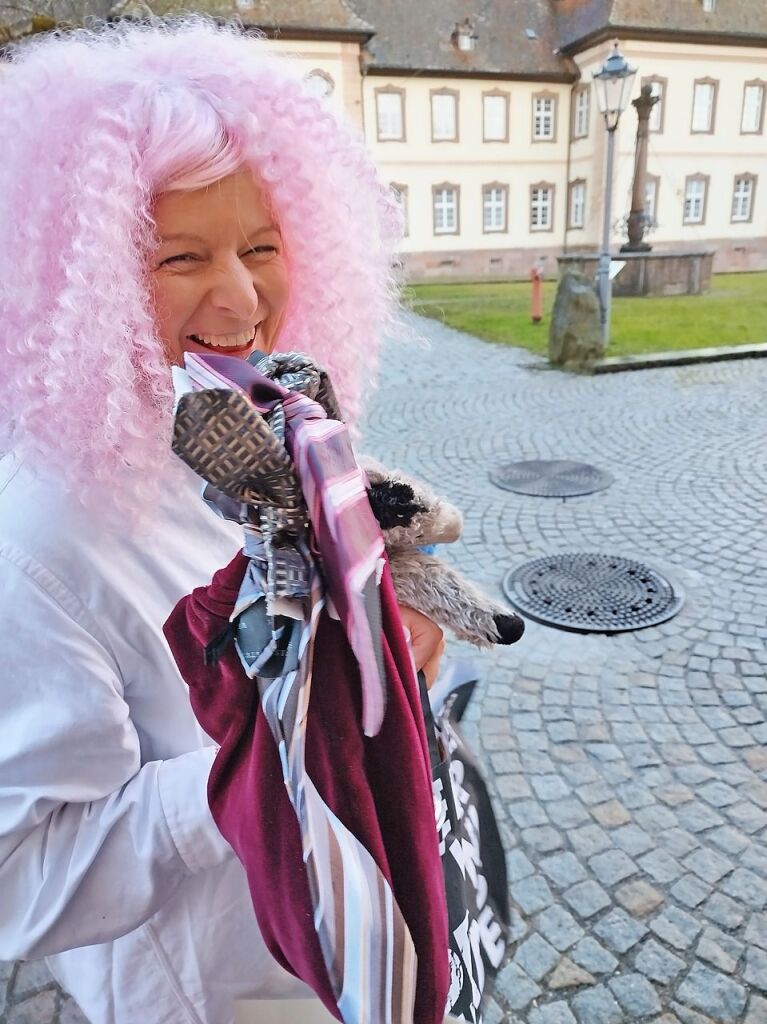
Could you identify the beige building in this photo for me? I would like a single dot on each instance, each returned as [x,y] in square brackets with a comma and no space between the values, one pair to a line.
[483,118]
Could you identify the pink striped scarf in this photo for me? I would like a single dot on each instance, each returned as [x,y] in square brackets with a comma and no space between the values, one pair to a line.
[348,538]
[366,945]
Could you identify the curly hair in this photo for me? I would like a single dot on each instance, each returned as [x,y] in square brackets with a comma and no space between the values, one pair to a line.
[98,123]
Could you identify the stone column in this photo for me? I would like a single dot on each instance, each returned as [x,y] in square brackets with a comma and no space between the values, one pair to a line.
[636,226]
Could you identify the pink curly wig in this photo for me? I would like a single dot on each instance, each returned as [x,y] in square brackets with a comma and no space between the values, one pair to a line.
[98,123]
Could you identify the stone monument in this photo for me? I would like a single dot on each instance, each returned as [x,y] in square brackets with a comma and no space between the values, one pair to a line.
[575,334]
[638,217]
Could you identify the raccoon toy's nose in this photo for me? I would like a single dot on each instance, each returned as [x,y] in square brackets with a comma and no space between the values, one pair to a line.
[510,628]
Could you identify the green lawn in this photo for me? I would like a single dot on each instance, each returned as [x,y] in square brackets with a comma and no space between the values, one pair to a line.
[733,313]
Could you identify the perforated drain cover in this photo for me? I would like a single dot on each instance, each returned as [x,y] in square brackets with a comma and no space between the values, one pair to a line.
[591,593]
[553,478]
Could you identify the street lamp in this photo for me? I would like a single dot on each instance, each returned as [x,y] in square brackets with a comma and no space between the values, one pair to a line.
[613,83]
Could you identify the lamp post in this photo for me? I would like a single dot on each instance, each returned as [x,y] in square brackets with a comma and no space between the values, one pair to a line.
[613,83]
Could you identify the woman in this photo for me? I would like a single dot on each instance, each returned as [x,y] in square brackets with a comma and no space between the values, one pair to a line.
[162,190]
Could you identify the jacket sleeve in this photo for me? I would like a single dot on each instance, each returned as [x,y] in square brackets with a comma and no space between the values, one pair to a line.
[92,842]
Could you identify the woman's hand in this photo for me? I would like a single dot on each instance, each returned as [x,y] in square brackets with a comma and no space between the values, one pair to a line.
[426,641]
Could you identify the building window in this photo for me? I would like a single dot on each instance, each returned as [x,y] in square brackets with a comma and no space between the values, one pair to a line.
[743,197]
[495,117]
[651,187]
[695,194]
[704,105]
[544,117]
[752,117]
[390,114]
[658,88]
[576,210]
[444,116]
[445,207]
[464,36]
[320,83]
[400,194]
[495,207]
[542,207]
[581,111]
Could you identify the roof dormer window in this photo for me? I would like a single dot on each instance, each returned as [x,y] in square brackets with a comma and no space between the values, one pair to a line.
[464,36]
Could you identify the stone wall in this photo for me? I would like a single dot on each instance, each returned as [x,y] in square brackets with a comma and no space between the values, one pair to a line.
[730,256]
[653,273]
[478,264]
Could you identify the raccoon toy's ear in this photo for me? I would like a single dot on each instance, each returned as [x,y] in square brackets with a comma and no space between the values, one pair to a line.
[510,628]
[393,503]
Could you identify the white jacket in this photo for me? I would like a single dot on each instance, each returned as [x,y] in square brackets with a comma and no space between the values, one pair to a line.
[110,863]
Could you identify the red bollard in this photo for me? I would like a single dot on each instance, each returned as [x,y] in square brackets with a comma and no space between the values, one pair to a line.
[536,297]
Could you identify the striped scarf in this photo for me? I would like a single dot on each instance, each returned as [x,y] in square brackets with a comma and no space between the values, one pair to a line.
[325,549]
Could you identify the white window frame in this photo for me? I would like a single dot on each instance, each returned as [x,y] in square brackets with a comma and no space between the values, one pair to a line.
[320,83]
[754,89]
[703,111]
[444,123]
[544,117]
[498,99]
[542,206]
[744,186]
[445,203]
[495,199]
[395,130]
[695,199]
[400,193]
[652,182]
[576,213]
[581,112]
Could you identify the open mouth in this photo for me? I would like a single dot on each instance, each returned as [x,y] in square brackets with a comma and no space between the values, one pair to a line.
[229,344]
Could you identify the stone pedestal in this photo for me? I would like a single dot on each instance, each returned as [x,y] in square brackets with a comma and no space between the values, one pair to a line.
[650,273]
[575,336]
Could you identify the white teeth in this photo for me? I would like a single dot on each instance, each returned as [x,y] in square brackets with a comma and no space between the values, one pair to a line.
[226,340]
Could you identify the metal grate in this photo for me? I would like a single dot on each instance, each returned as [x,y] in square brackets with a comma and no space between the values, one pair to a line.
[591,593]
[553,478]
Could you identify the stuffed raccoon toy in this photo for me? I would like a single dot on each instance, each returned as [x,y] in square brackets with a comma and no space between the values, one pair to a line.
[412,516]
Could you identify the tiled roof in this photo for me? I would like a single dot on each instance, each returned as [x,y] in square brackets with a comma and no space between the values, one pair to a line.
[515,38]
[581,20]
[310,15]
[290,17]
[275,17]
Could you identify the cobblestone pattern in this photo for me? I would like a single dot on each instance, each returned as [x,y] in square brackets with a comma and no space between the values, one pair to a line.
[630,772]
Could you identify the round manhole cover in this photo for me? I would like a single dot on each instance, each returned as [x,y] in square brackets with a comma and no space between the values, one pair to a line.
[552,478]
[591,593]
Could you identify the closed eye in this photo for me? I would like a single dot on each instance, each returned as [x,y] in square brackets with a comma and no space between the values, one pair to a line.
[260,250]
[181,258]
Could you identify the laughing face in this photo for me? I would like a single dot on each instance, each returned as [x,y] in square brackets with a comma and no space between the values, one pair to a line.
[219,277]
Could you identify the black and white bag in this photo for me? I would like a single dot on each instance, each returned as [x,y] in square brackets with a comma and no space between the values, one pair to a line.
[472,854]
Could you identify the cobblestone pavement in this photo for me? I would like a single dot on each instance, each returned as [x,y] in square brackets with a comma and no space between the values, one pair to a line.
[630,772]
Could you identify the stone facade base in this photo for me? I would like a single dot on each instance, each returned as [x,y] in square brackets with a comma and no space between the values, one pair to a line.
[650,273]
[731,255]
[741,254]
[478,264]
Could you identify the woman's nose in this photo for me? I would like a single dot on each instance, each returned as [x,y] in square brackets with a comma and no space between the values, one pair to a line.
[234,290]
